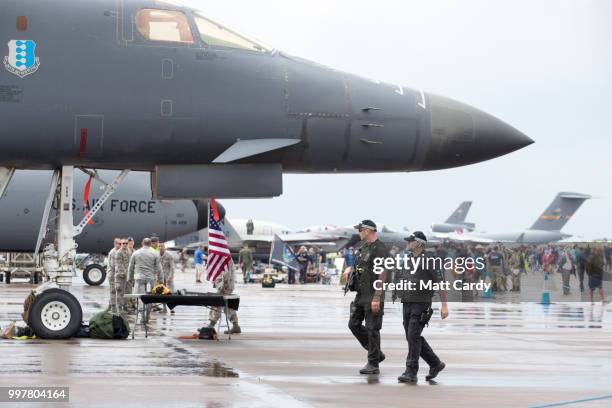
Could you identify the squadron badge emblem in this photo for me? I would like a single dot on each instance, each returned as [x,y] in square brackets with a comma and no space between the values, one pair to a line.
[22,60]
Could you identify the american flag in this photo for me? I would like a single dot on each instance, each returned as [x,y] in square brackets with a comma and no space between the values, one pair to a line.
[219,255]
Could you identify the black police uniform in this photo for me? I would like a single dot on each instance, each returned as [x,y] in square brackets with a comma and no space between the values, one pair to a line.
[416,305]
[368,335]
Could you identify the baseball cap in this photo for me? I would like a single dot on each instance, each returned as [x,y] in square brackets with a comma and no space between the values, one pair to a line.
[417,236]
[366,224]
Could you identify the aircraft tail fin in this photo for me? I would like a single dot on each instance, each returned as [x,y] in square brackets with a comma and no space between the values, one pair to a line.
[458,217]
[559,211]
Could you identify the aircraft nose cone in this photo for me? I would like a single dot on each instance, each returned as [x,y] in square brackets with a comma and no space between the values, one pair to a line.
[461,135]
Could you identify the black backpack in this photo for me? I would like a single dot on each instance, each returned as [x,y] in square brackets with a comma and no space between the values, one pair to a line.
[208,333]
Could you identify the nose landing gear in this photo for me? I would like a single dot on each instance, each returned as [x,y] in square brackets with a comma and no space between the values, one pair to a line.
[55,313]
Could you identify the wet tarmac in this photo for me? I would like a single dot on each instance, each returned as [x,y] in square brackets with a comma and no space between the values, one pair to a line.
[296,350]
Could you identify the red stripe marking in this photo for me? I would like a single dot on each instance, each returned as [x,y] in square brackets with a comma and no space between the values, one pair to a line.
[86,199]
[83,145]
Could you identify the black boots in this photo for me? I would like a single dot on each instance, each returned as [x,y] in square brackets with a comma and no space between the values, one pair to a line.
[434,371]
[408,378]
[370,369]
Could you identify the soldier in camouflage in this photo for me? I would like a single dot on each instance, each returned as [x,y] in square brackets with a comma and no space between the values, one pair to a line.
[225,286]
[167,266]
[121,262]
[110,273]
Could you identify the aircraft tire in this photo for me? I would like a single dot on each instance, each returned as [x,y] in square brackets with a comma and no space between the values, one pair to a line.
[55,314]
[94,274]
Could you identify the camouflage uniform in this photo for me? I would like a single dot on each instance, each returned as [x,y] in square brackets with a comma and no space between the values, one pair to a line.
[121,262]
[225,286]
[184,259]
[515,269]
[495,266]
[110,273]
[167,266]
[246,262]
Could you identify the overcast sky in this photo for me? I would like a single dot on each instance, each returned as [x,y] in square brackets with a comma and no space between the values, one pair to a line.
[542,66]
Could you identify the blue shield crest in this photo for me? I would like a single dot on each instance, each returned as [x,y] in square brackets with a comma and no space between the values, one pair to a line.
[22,60]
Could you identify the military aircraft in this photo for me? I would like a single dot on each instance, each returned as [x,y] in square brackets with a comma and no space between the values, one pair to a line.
[546,228]
[257,234]
[130,212]
[328,237]
[153,86]
[456,221]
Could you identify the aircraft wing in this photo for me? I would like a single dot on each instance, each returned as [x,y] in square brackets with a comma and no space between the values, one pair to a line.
[304,238]
[453,236]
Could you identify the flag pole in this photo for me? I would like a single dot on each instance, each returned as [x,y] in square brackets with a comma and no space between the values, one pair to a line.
[207,240]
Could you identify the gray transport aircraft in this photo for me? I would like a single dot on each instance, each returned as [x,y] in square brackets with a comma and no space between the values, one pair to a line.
[456,222]
[547,228]
[153,86]
[130,212]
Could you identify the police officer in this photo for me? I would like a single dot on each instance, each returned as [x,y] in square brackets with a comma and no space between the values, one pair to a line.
[368,305]
[121,262]
[416,305]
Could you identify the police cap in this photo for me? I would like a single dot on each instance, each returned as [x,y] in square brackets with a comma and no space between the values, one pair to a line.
[366,224]
[417,236]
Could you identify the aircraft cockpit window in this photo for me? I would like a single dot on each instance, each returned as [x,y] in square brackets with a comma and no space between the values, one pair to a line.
[214,34]
[164,25]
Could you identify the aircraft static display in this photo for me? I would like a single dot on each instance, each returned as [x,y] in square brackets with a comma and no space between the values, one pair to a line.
[150,85]
[131,212]
[456,221]
[160,86]
[546,229]
[327,237]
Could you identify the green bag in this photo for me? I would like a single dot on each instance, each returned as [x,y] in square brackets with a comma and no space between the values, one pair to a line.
[106,325]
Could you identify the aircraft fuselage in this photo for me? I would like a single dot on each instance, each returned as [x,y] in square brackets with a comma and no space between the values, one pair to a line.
[99,94]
